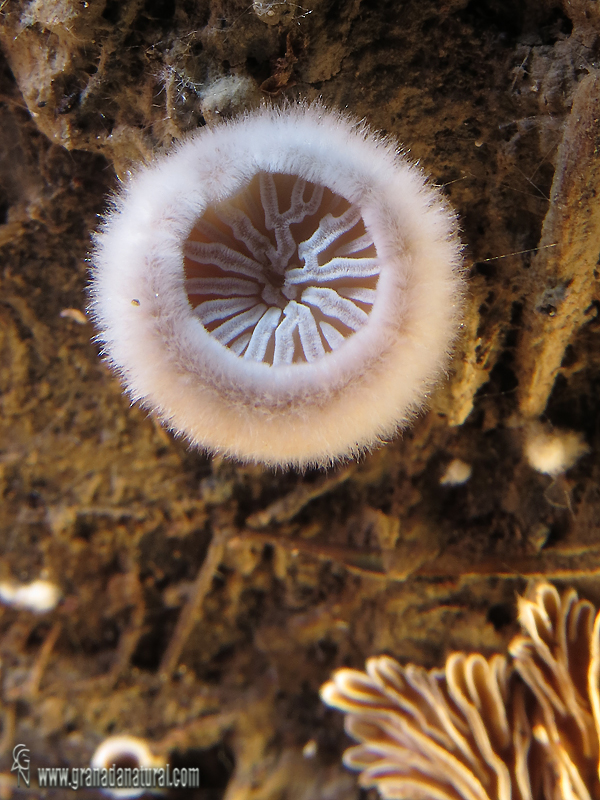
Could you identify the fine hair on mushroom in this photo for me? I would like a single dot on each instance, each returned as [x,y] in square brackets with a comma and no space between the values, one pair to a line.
[284,287]
[524,727]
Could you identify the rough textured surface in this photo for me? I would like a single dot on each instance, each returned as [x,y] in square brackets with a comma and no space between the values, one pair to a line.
[203,603]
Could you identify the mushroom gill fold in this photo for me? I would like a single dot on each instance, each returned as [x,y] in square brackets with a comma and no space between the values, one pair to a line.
[443,734]
[556,655]
[282,273]
[496,728]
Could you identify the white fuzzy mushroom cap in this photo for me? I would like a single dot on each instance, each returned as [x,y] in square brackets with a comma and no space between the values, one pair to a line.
[294,333]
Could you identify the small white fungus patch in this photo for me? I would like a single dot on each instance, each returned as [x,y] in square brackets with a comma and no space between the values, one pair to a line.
[553,452]
[38,596]
[457,472]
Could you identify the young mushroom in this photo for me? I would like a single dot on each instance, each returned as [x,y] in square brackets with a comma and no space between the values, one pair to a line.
[119,754]
[553,451]
[283,288]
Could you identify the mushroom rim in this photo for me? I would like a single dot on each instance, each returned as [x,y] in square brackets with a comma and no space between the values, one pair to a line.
[420,271]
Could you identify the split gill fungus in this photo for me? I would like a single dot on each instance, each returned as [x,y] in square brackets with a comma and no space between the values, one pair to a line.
[524,727]
[282,288]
